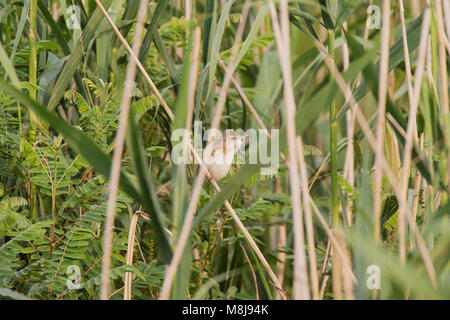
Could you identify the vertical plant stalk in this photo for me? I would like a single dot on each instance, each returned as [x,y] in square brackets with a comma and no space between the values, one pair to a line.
[336,262]
[308,221]
[117,155]
[33,49]
[188,9]
[349,174]
[415,204]
[280,246]
[130,251]
[442,58]
[136,60]
[171,269]
[393,180]
[280,267]
[380,127]
[406,53]
[334,241]
[333,143]
[199,180]
[405,169]
[33,81]
[170,272]
[415,7]
[411,131]
[300,286]
[253,271]
[251,108]
[443,81]
[169,112]
[54,185]
[446,5]
[281,257]
[198,184]
[349,164]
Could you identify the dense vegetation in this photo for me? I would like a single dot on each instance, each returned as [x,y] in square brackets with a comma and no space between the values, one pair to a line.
[361,194]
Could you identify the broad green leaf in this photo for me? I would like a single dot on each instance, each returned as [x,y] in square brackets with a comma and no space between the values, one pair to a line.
[8,66]
[74,60]
[233,185]
[144,193]
[148,38]
[371,79]
[216,42]
[319,102]
[147,190]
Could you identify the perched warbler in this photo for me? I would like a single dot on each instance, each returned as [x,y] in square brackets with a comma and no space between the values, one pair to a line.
[218,155]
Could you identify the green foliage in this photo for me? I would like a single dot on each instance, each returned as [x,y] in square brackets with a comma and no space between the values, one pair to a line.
[55,152]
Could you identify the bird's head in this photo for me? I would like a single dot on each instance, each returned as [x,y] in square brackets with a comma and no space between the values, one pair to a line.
[233,141]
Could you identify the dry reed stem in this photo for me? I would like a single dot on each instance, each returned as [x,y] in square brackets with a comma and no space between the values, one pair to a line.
[308,221]
[447,45]
[405,171]
[253,111]
[372,143]
[136,60]
[130,251]
[349,173]
[253,244]
[227,79]
[417,179]
[187,224]
[281,258]
[252,270]
[201,175]
[415,7]
[333,241]
[411,133]
[300,285]
[380,127]
[444,80]
[442,57]
[323,286]
[261,124]
[117,154]
[446,5]
[187,9]
[396,125]
[391,177]
[346,276]
[349,170]
[280,245]
[327,253]
[406,53]
[198,184]
[244,98]
[212,181]
[251,108]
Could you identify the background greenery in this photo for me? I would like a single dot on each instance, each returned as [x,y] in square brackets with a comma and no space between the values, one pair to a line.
[60,93]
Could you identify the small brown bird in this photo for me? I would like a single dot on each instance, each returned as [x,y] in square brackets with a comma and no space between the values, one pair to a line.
[218,156]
